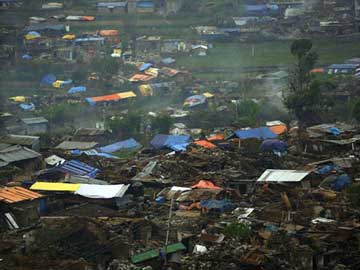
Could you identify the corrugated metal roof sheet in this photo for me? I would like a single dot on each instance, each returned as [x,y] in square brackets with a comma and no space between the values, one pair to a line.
[78,168]
[71,145]
[89,132]
[17,153]
[49,186]
[151,254]
[17,194]
[19,139]
[283,176]
[34,120]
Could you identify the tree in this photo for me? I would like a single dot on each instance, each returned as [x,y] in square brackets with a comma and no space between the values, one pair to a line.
[305,95]
[126,126]
[161,123]
[356,110]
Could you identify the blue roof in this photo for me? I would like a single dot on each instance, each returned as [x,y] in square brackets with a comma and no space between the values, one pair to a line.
[76,89]
[343,66]
[145,4]
[126,144]
[163,141]
[78,168]
[258,133]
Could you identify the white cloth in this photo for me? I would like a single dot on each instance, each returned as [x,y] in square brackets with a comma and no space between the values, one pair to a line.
[102,191]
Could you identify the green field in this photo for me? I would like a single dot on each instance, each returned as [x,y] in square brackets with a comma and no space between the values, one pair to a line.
[268,53]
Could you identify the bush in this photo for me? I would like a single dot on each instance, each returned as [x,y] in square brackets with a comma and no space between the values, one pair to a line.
[238,231]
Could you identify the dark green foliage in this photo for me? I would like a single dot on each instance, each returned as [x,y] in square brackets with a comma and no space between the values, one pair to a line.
[356,110]
[161,124]
[306,96]
[354,196]
[126,126]
[238,231]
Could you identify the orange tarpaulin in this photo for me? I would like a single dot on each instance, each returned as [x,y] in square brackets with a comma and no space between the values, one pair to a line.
[217,137]
[113,97]
[205,184]
[107,33]
[141,77]
[205,144]
[88,18]
[278,129]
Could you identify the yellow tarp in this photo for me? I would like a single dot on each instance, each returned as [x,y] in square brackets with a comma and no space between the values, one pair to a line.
[208,95]
[129,94]
[152,72]
[57,84]
[146,90]
[18,98]
[49,186]
[68,37]
[31,37]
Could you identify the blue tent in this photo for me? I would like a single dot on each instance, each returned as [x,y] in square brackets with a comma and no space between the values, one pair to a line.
[145,66]
[170,141]
[76,89]
[48,79]
[27,107]
[340,183]
[261,133]
[217,205]
[122,145]
[273,145]
[26,56]
[195,100]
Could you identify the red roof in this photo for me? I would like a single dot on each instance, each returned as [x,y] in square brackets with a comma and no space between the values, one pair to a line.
[17,194]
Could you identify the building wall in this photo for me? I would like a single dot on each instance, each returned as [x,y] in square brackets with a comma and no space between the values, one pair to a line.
[117,10]
[173,6]
[36,128]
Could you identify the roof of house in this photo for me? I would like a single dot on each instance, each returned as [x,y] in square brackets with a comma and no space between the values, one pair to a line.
[17,153]
[259,133]
[154,253]
[271,175]
[89,132]
[49,186]
[71,145]
[126,144]
[34,120]
[78,168]
[111,4]
[145,4]
[19,139]
[44,27]
[17,194]
[112,97]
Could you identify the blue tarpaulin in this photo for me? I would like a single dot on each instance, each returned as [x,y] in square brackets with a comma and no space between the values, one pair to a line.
[78,168]
[48,79]
[179,147]
[26,56]
[335,131]
[92,152]
[67,82]
[76,89]
[273,145]
[27,106]
[145,66]
[122,145]
[340,183]
[261,133]
[145,4]
[195,100]
[217,205]
[328,169]
[164,141]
